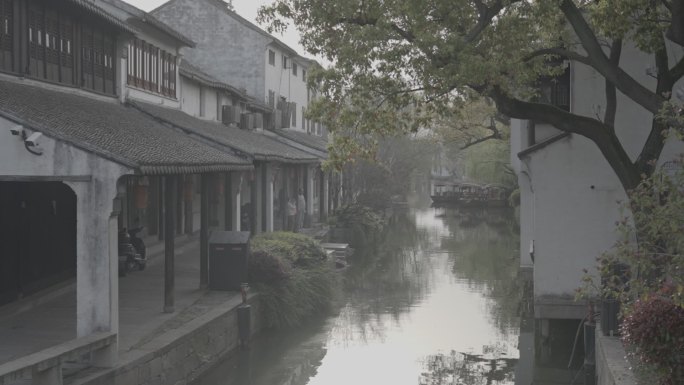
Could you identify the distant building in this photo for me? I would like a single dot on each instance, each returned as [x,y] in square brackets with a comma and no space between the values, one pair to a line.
[233,50]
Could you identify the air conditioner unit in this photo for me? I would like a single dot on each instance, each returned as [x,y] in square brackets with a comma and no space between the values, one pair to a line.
[277,119]
[246,121]
[270,120]
[230,115]
[285,116]
[258,120]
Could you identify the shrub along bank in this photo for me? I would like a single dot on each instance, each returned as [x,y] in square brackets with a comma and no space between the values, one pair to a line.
[293,277]
[364,224]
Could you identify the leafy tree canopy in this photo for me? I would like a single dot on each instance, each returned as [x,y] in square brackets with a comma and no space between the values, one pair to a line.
[398,64]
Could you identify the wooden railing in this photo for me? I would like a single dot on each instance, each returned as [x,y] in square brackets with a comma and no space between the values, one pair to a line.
[45,367]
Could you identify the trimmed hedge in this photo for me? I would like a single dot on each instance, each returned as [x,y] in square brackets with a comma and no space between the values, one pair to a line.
[293,277]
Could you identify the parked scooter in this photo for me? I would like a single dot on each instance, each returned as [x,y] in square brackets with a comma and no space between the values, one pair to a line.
[139,246]
[129,258]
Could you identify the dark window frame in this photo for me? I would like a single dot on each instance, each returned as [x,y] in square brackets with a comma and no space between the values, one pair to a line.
[59,45]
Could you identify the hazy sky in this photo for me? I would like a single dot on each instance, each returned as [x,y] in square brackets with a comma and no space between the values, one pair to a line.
[245,8]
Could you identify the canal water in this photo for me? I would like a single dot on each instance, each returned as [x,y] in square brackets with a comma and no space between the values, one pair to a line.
[439,301]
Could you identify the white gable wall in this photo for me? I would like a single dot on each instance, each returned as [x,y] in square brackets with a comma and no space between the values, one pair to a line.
[569,193]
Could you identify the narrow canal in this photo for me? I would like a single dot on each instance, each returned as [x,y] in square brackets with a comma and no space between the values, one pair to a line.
[437,301]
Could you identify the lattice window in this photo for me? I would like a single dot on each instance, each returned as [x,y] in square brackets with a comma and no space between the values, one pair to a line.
[66,49]
[98,54]
[154,68]
[88,51]
[51,36]
[172,75]
[6,25]
[109,55]
[165,72]
[36,32]
[151,68]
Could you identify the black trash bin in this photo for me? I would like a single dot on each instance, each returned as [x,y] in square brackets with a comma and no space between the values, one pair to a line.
[228,252]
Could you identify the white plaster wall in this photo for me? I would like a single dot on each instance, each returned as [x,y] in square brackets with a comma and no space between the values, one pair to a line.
[572,209]
[298,94]
[59,158]
[544,131]
[150,97]
[97,283]
[190,97]
[518,143]
[526,217]
[284,83]
[209,106]
[570,222]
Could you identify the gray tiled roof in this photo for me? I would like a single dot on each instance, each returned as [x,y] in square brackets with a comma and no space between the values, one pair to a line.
[137,14]
[111,130]
[95,9]
[254,144]
[313,141]
[189,71]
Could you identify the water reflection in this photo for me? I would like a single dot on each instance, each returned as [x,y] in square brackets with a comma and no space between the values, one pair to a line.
[436,302]
[461,368]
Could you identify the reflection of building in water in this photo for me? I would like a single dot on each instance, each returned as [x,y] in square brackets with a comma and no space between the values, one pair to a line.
[472,369]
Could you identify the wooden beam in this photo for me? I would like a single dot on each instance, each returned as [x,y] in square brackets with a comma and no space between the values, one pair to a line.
[169,247]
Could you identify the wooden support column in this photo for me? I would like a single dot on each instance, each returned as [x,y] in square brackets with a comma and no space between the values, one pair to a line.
[204,230]
[228,201]
[236,180]
[160,213]
[323,196]
[179,206]
[169,247]
[254,205]
[309,194]
[264,199]
[268,197]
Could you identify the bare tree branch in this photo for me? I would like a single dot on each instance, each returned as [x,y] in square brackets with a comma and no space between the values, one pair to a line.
[623,81]
[592,129]
[611,93]
[677,71]
[570,55]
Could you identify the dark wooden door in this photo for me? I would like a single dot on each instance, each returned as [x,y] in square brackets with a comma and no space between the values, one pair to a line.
[38,239]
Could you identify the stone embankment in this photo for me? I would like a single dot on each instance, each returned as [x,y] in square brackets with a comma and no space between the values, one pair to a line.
[181,349]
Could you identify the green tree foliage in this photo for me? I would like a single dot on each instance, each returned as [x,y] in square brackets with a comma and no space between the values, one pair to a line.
[399,64]
[397,164]
[475,140]
[647,276]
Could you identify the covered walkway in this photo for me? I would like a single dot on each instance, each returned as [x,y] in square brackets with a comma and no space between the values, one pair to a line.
[47,319]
